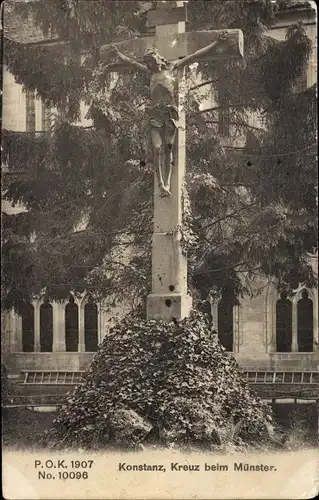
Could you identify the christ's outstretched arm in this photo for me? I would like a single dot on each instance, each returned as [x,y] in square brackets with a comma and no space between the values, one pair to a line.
[200,53]
[129,61]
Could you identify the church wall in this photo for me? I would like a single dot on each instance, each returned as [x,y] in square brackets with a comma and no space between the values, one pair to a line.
[5,337]
[253,332]
[55,361]
[312,69]
[16,359]
[14,107]
[257,336]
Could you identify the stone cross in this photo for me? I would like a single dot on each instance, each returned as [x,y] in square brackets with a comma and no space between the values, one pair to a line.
[164,57]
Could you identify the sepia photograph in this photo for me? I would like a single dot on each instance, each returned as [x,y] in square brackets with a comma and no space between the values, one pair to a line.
[159,203]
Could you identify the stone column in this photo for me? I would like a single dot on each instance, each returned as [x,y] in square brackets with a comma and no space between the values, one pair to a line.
[18,321]
[236,332]
[101,321]
[169,297]
[58,327]
[15,339]
[214,313]
[37,343]
[294,343]
[270,323]
[81,347]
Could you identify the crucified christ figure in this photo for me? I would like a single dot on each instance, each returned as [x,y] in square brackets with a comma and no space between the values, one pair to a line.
[163,120]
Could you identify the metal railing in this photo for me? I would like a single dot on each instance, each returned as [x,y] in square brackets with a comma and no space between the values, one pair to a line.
[282,377]
[47,377]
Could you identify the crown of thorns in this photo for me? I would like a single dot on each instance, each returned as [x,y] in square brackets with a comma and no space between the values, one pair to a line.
[155,55]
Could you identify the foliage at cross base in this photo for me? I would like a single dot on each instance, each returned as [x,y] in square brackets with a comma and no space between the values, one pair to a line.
[164,384]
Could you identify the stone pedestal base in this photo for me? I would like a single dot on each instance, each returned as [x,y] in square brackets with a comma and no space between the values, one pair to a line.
[81,347]
[58,346]
[168,306]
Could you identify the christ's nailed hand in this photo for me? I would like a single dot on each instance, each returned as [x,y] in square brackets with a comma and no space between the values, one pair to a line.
[113,49]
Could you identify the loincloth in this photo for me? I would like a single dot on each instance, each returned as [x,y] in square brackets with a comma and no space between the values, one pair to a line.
[163,114]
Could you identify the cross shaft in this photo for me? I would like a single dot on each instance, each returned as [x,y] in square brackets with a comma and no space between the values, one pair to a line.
[164,57]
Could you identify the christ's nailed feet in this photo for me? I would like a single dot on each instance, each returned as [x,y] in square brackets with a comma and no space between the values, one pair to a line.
[165,191]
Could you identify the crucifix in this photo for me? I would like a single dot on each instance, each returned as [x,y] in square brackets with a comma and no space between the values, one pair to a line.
[164,57]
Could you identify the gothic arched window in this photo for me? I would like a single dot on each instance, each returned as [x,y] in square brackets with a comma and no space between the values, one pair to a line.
[283,324]
[46,327]
[305,323]
[27,315]
[91,326]
[226,323]
[71,326]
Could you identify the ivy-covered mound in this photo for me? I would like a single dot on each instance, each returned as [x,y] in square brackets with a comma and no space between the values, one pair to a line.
[154,382]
